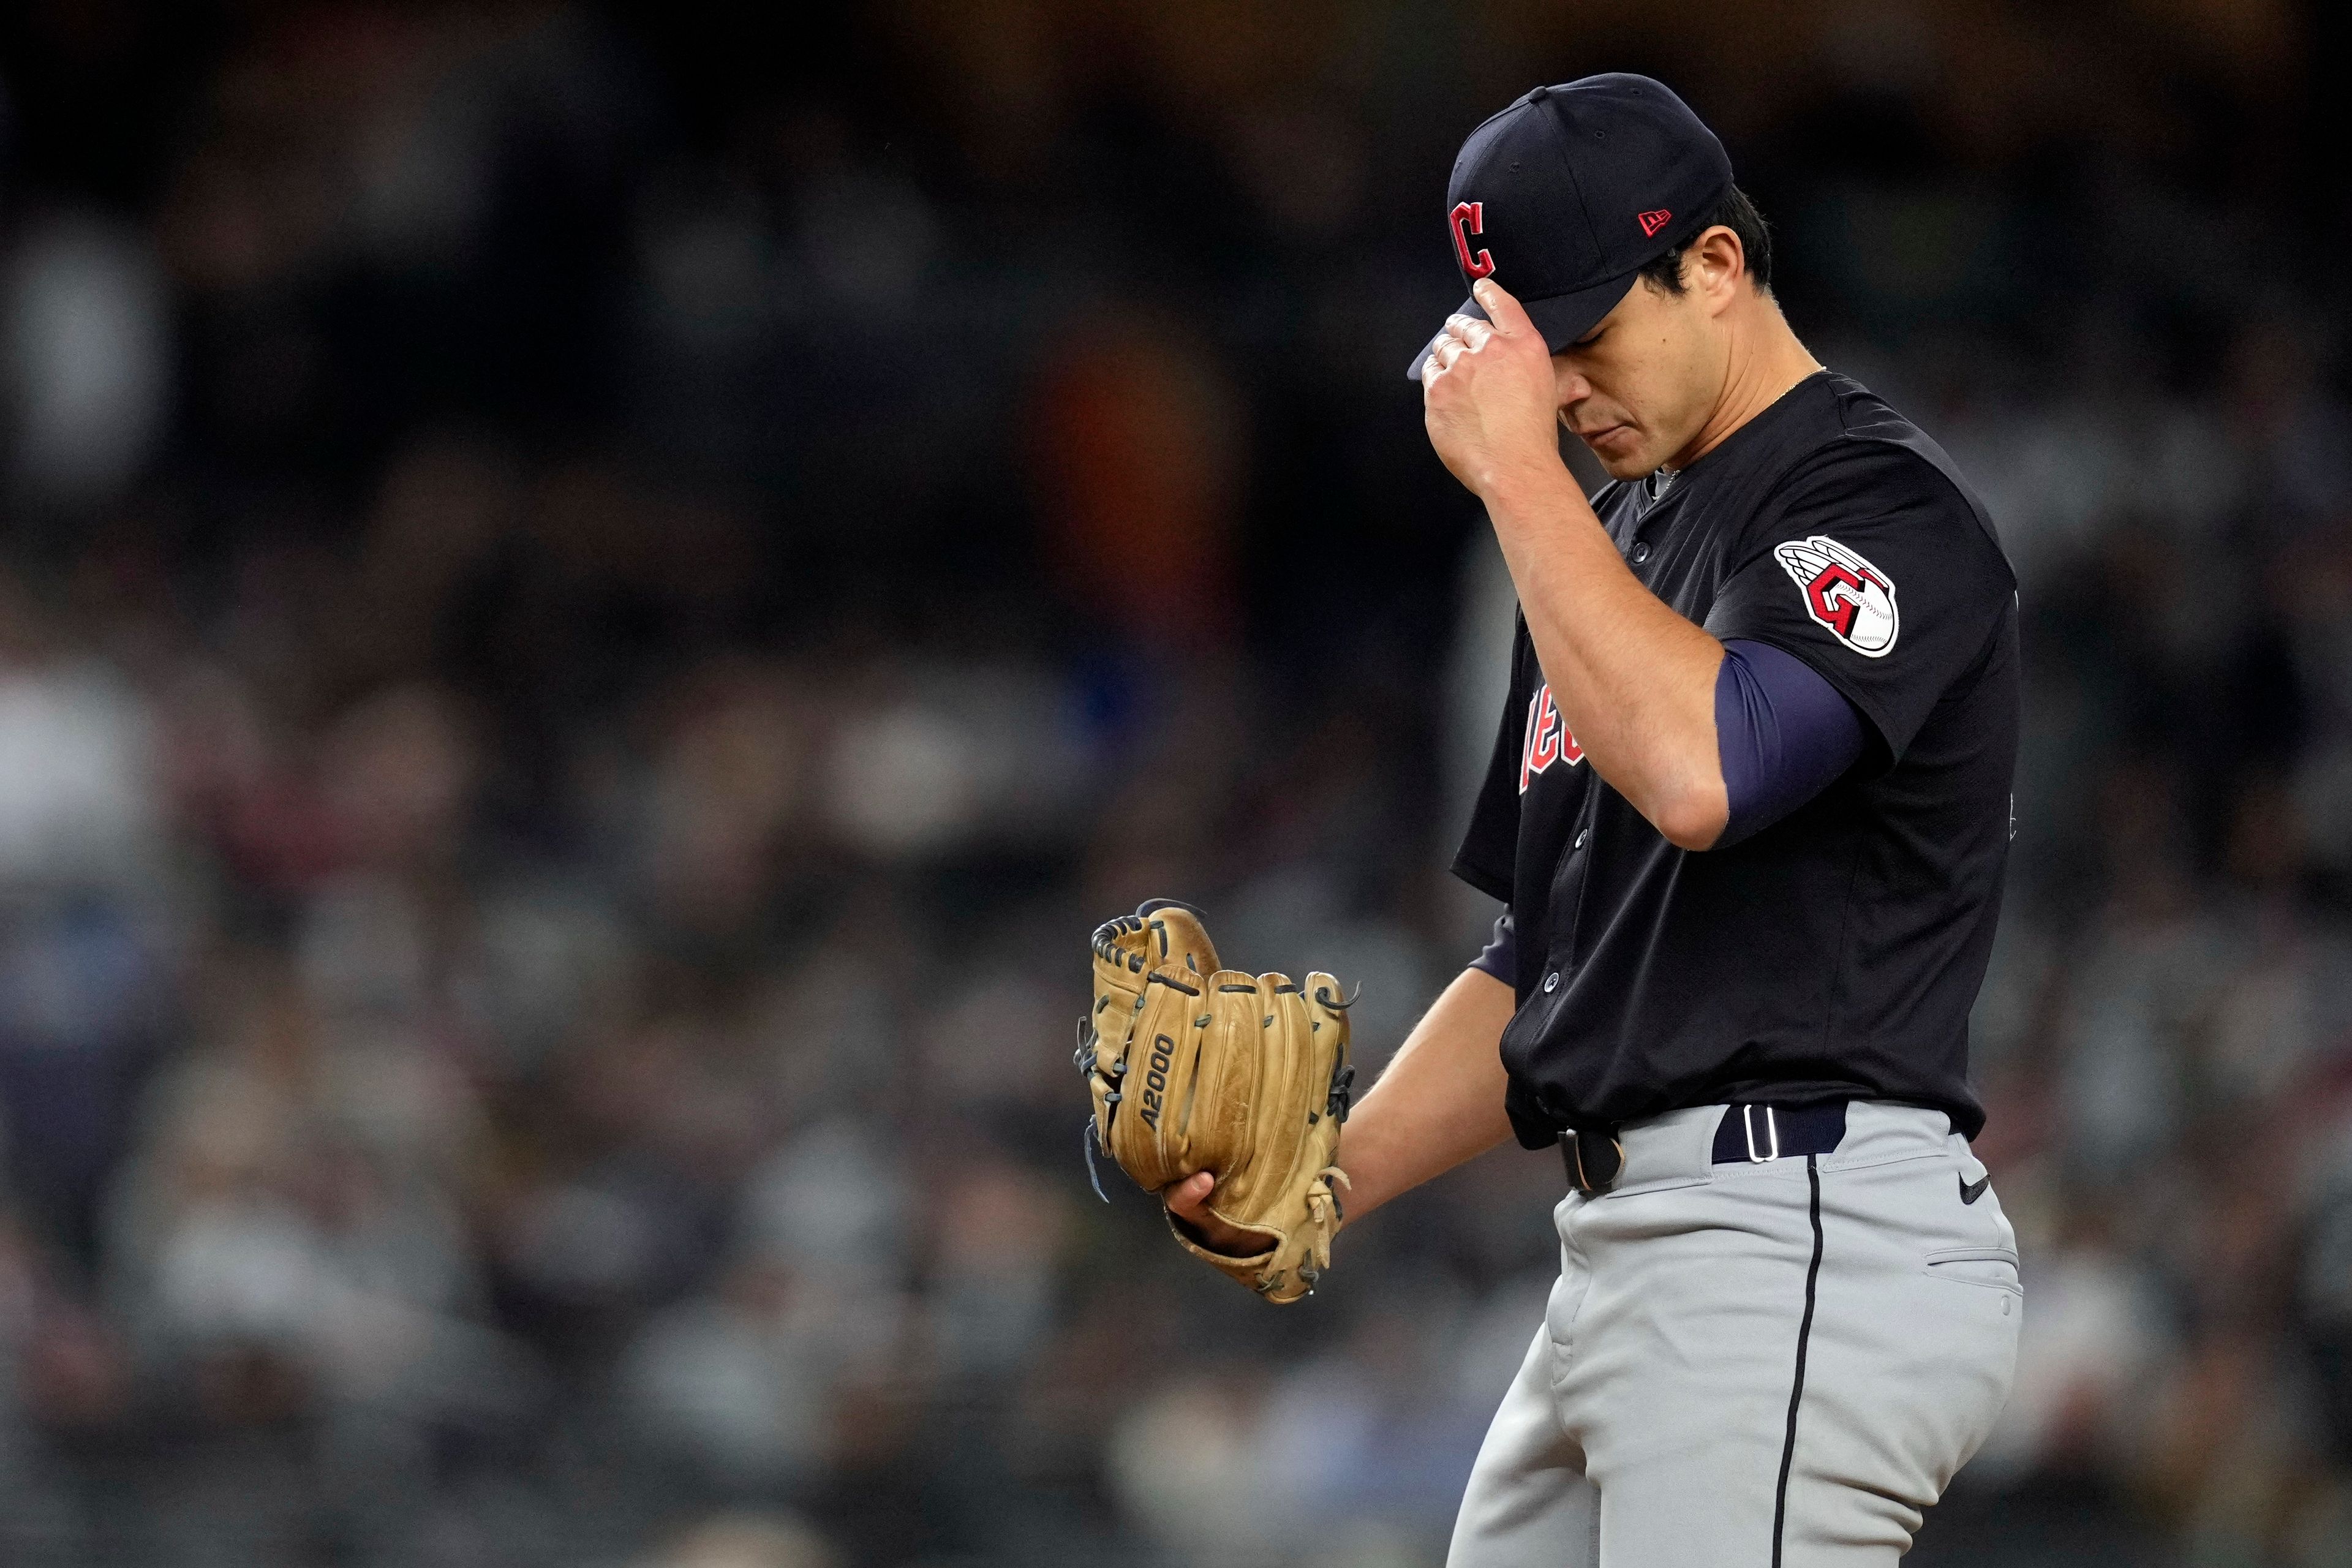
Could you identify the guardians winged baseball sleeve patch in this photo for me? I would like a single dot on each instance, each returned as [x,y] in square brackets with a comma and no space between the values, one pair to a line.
[1844,593]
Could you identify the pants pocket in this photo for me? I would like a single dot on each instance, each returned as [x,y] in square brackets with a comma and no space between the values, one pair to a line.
[1994,1268]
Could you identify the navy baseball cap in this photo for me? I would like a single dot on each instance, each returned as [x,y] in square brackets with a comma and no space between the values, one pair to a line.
[1562,197]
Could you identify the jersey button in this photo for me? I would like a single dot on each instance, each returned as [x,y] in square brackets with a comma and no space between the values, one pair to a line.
[1580,837]
[1640,551]
[1552,981]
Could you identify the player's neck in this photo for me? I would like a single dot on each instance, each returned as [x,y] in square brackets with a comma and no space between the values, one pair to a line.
[1763,361]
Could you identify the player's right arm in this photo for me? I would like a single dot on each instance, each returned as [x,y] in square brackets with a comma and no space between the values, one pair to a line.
[1438,1103]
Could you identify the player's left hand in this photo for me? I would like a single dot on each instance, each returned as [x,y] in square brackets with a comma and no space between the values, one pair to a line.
[1222,1091]
[1187,1200]
[1488,393]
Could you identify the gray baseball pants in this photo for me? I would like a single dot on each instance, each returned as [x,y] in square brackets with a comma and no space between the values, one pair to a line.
[1754,1363]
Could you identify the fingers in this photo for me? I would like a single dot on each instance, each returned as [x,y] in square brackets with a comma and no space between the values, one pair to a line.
[1186,1196]
[1188,1201]
[1436,363]
[1462,334]
[1468,330]
[1504,312]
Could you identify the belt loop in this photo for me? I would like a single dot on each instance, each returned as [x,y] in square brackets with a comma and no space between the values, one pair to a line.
[1771,1127]
[1594,1157]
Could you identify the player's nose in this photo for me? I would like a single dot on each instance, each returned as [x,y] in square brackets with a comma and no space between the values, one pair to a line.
[1569,386]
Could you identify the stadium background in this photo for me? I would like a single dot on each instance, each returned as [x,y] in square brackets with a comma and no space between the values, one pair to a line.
[597,597]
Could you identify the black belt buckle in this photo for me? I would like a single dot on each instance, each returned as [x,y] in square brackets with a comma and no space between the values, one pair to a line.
[1594,1157]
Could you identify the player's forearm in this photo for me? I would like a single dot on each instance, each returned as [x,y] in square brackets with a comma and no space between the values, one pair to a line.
[1440,1101]
[1633,680]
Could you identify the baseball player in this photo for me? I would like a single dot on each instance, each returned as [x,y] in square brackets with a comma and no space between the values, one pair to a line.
[1747,810]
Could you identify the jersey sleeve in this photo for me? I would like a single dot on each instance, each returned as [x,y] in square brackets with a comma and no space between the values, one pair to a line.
[1781,734]
[1490,850]
[1500,956]
[1873,567]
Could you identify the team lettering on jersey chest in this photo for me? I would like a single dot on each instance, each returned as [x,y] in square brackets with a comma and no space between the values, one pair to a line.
[1548,738]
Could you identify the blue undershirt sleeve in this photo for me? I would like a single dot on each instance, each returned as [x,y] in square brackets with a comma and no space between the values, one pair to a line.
[1783,734]
[1500,957]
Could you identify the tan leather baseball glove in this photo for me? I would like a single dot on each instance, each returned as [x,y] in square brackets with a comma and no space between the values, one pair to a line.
[1194,1067]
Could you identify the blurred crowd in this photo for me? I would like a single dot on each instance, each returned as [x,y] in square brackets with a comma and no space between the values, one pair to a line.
[595,606]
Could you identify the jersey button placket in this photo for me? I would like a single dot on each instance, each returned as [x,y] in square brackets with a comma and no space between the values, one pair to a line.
[1568,896]
[1552,981]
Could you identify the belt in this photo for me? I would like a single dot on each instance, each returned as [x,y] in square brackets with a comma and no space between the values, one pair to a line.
[1754,1132]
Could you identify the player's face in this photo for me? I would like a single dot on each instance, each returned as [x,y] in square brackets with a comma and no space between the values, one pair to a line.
[1638,388]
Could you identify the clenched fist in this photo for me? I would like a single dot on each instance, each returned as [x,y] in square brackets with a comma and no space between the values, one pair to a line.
[1488,394]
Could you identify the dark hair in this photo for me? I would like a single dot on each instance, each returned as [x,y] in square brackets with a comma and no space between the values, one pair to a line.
[1737,213]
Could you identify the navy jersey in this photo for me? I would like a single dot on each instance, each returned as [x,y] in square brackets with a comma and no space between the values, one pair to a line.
[1836,952]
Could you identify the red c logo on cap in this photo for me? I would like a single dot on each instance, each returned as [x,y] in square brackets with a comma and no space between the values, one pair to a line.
[1474,214]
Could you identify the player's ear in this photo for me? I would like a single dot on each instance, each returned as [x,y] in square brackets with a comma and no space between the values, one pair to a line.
[1715,264]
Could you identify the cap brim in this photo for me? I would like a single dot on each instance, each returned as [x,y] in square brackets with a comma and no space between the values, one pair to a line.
[1562,318]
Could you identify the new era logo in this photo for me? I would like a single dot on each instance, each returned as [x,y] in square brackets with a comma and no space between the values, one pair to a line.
[1653,221]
